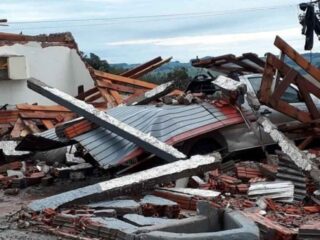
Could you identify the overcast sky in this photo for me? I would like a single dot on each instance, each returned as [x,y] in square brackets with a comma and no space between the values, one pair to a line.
[137,30]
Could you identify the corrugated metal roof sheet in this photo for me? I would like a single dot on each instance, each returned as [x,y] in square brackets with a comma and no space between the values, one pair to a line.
[165,123]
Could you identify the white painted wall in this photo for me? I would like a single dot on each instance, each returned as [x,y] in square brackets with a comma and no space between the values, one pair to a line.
[57,66]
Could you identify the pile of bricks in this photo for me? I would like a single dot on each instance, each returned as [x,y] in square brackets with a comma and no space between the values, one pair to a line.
[16,175]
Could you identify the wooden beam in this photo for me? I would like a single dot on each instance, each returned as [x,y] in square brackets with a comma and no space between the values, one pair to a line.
[266,83]
[139,68]
[118,78]
[308,100]
[45,115]
[284,84]
[32,126]
[290,110]
[297,58]
[106,95]
[28,107]
[18,127]
[121,88]
[47,123]
[150,68]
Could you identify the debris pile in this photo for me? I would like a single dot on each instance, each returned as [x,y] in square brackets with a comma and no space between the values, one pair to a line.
[16,175]
[155,151]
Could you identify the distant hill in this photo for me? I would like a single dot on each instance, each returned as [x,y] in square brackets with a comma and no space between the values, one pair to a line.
[168,67]
[314,57]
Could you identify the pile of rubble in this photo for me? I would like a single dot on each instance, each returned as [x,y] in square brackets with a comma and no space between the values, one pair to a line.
[152,183]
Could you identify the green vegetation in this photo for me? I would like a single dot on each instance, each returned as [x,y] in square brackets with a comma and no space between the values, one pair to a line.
[181,73]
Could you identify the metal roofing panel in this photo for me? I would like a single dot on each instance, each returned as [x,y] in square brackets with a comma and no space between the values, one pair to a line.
[164,123]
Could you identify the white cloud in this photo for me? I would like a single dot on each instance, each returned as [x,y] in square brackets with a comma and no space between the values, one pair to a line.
[210,39]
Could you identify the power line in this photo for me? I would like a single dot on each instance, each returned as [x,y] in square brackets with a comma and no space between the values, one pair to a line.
[161,16]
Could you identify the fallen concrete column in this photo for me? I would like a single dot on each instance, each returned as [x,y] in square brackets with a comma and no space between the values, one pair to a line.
[143,140]
[132,183]
[300,158]
[153,94]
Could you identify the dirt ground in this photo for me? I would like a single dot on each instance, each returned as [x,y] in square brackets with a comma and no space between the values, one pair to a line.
[9,205]
[8,230]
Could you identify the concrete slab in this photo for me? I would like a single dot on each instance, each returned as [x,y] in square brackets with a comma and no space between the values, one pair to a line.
[132,183]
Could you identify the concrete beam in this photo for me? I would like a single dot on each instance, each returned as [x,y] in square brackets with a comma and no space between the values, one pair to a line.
[102,119]
[302,159]
[132,183]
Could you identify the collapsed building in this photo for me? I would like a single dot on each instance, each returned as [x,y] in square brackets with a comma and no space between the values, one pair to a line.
[41,57]
[166,161]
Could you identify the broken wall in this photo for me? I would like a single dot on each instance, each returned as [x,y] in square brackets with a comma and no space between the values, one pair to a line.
[58,66]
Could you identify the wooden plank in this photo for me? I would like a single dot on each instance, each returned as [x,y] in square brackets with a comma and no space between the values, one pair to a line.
[277,77]
[45,115]
[107,97]
[296,57]
[150,68]
[116,96]
[114,86]
[32,126]
[99,105]
[55,108]
[284,69]
[18,127]
[139,68]
[308,100]
[266,82]
[47,123]
[118,78]
[94,97]
[133,96]
[290,110]
[311,88]
[284,84]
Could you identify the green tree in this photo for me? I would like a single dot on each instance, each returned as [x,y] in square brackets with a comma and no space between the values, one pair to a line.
[94,61]
[180,76]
